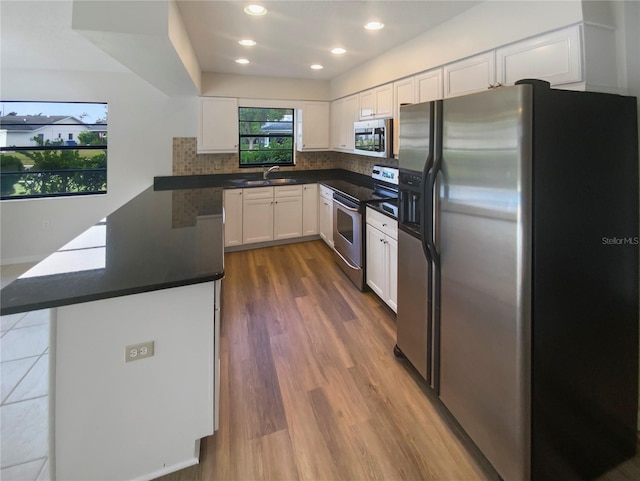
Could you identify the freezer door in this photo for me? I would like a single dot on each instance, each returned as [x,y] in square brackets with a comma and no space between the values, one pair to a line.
[483,211]
[415,135]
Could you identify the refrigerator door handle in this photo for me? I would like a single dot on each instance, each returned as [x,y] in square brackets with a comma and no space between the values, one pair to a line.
[426,221]
[425,216]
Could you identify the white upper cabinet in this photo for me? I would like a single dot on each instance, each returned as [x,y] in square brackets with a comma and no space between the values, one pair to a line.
[470,75]
[344,112]
[338,133]
[218,125]
[554,57]
[377,102]
[429,85]
[313,126]
[403,93]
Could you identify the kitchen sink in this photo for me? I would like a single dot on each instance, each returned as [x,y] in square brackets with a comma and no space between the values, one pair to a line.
[281,181]
[256,182]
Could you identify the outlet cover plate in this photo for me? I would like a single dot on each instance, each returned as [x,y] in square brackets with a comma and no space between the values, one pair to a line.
[142,350]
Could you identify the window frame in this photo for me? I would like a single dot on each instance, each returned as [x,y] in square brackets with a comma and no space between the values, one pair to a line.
[289,110]
[78,178]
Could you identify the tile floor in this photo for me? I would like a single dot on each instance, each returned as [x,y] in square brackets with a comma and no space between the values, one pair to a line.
[24,389]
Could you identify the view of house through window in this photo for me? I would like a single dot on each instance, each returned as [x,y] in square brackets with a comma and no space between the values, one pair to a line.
[52,149]
[266,136]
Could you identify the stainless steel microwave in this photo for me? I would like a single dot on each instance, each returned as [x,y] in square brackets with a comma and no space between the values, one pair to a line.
[373,137]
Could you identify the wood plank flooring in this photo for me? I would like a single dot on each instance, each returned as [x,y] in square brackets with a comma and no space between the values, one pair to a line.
[310,389]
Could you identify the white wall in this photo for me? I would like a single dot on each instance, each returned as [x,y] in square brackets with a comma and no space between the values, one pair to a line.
[253,86]
[142,123]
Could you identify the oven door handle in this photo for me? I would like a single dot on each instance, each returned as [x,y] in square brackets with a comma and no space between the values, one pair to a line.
[345,206]
[345,260]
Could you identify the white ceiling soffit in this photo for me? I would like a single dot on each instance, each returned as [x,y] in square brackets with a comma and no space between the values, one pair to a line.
[37,35]
[295,34]
[136,34]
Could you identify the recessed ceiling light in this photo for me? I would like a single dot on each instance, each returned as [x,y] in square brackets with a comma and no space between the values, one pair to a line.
[338,50]
[242,61]
[317,66]
[247,43]
[374,25]
[255,9]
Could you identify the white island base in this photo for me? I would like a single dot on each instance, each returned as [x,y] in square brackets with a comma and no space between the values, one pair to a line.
[140,419]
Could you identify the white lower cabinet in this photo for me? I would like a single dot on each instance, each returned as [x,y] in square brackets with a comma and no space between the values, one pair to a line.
[257,215]
[232,217]
[309,209]
[326,215]
[287,210]
[382,257]
[264,214]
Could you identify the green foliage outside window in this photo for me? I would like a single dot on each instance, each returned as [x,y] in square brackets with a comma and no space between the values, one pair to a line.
[266,136]
[65,153]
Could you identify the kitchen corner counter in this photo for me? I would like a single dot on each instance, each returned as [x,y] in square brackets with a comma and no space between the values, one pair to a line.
[160,239]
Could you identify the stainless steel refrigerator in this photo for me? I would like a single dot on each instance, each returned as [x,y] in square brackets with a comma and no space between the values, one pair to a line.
[518,272]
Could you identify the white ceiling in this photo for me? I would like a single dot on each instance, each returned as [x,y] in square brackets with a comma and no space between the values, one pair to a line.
[295,34]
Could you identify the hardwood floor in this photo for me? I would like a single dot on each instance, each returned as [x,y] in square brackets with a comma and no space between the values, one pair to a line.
[310,389]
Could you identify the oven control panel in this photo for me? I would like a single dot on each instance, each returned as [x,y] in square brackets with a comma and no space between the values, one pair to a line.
[385,174]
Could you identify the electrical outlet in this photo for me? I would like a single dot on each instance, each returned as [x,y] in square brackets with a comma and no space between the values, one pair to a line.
[138,351]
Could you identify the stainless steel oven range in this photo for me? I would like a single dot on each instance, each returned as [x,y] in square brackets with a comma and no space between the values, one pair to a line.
[349,201]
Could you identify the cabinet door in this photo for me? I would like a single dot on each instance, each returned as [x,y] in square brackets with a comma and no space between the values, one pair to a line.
[313,126]
[384,101]
[429,85]
[350,115]
[376,261]
[310,209]
[257,220]
[326,221]
[403,93]
[338,131]
[218,125]
[554,57]
[287,217]
[470,75]
[367,104]
[232,217]
[392,273]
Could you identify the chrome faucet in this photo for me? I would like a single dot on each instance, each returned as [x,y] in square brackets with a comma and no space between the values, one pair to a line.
[270,169]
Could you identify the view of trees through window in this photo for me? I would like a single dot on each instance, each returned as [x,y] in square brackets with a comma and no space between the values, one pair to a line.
[266,136]
[52,149]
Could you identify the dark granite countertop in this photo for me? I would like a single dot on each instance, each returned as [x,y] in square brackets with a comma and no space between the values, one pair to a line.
[235,180]
[170,235]
[158,240]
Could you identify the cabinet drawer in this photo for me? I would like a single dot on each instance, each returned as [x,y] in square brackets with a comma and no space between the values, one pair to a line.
[383,223]
[258,193]
[326,193]
[288,191]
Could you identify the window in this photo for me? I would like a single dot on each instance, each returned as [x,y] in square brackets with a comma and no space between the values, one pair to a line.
[36,161]
[266,136]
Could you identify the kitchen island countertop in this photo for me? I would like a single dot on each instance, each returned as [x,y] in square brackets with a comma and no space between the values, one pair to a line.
[157,240]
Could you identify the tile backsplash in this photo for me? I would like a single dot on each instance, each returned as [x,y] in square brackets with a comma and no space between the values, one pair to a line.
[187,162]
